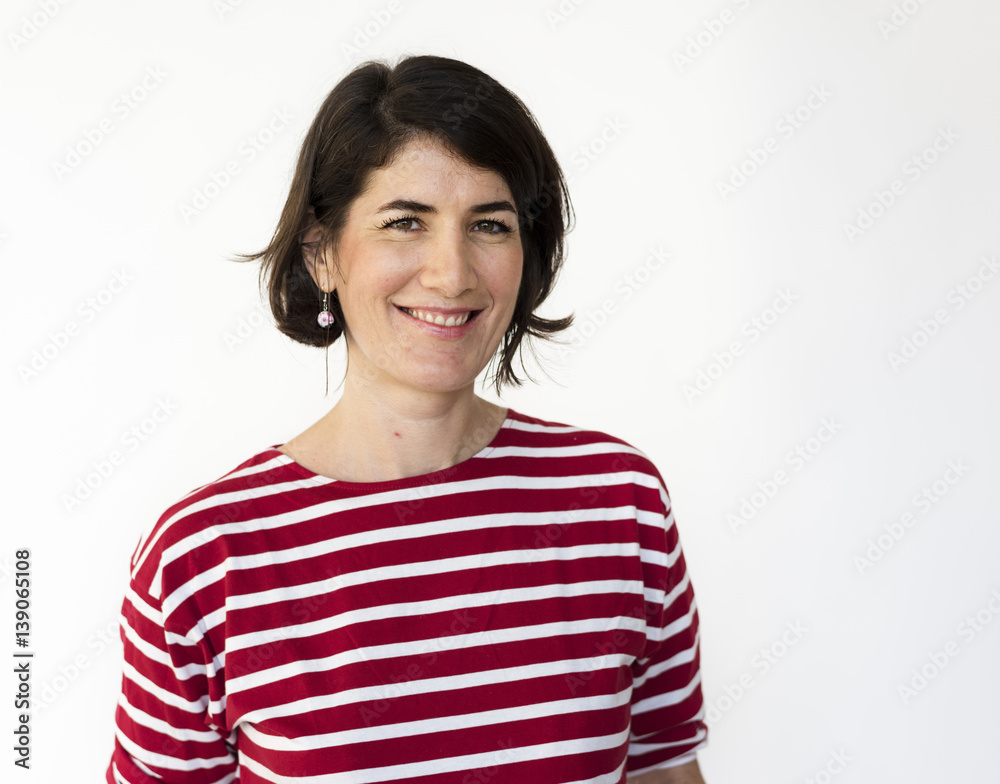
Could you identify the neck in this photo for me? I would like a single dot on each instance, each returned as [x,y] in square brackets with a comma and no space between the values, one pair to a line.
[377,434]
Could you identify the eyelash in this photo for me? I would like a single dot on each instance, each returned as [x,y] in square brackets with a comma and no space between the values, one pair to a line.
[503,227]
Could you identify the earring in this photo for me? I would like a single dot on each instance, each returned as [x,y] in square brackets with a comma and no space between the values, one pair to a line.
[325,317]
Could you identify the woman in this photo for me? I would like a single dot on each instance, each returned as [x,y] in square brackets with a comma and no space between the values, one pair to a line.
[422,586]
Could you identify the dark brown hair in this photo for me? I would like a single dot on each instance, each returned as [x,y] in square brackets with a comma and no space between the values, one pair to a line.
[365,121]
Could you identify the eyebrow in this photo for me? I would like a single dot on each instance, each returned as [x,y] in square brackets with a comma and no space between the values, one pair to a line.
[409,205]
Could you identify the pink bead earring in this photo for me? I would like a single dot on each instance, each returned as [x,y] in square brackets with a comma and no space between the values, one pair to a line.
[325,317]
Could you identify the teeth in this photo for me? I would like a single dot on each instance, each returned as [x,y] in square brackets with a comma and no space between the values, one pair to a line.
[441,321]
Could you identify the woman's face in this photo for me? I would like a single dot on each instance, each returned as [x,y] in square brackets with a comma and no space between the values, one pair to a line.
[427,270]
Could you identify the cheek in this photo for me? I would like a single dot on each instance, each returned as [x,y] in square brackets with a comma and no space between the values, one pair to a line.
[506,268]
[368,290]
[511,283]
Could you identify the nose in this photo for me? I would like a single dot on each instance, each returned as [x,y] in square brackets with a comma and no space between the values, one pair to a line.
[448,265]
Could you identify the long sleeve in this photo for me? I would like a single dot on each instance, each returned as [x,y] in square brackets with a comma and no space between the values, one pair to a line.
[667,705]
[167,716]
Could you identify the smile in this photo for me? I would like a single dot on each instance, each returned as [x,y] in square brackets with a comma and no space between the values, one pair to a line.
[439,319]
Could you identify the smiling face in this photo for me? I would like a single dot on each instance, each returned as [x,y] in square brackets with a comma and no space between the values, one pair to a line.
[427,270]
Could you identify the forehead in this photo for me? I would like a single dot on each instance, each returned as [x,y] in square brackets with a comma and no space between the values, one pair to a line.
[426,170]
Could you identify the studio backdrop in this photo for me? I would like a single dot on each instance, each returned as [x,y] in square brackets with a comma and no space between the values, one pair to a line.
[785,273]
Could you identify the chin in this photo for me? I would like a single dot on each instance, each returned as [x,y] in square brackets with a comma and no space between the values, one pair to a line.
[443,385]
[442,381]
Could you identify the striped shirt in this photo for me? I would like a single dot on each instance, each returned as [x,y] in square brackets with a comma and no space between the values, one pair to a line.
[523,616]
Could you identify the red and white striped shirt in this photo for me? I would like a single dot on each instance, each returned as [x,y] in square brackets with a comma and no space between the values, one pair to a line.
[524,615]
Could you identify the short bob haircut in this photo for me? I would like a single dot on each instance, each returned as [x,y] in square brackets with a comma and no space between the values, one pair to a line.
[365,121]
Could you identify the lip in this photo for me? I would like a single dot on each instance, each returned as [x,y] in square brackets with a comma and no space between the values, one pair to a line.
[438,330]
[442,311]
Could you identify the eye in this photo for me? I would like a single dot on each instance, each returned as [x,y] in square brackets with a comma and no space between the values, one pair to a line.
[493,226]
[407,223]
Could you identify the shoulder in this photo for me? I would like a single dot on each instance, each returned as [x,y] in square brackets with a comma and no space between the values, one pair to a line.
[597,469]
[552,430]
[199,520]
[543,431]
[600,450]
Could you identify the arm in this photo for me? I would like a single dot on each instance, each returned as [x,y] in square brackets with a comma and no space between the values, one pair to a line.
[667,726]
[164,719]
[688,773]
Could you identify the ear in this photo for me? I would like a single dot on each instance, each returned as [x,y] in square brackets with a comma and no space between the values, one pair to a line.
[317,262]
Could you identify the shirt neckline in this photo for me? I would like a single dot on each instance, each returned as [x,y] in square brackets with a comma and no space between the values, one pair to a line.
[409,481]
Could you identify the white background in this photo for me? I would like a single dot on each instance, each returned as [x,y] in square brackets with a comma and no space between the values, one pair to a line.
[185,339]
